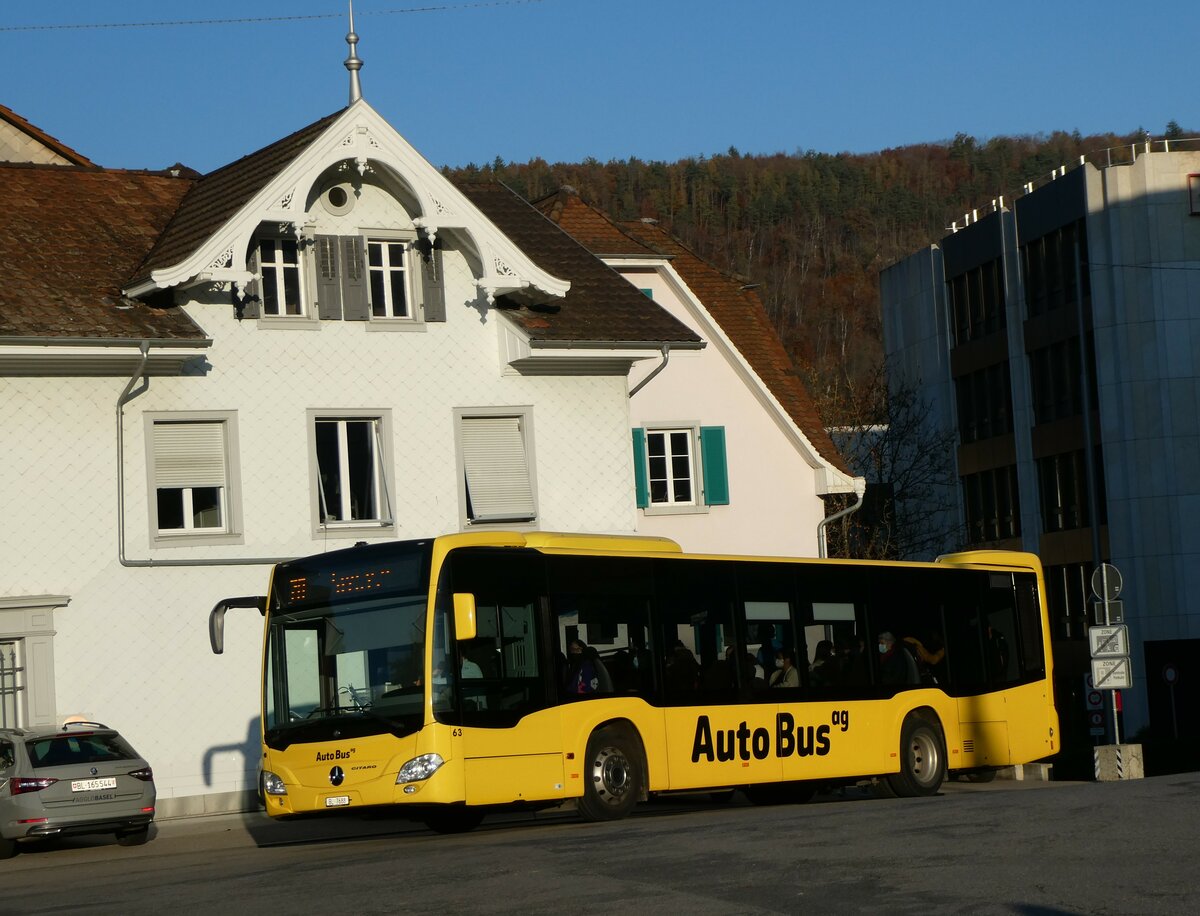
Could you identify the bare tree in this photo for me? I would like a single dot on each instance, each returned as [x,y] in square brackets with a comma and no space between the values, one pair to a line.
[894,439]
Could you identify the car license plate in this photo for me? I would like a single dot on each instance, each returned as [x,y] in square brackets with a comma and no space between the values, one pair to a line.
[337,801]
[91,785]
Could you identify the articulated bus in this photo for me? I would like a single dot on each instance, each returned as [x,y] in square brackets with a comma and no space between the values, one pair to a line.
[475,671]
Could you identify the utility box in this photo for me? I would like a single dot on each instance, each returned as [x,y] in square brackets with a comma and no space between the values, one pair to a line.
[1118,761]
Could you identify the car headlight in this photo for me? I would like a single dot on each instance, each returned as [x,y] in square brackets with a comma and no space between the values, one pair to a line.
[272,784]
[419,768]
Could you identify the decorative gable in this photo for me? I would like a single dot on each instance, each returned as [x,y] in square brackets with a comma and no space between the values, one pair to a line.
[284,189]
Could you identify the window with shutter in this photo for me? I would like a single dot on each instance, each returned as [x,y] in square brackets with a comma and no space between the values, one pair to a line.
[388,267]
[680,469]
[280,278]
[189,461]
[497,478]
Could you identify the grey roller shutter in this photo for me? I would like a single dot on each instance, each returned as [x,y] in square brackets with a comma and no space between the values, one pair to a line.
[189,454]
[497,469]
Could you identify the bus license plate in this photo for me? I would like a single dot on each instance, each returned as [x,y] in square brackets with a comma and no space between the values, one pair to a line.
[337,801]
[91,785]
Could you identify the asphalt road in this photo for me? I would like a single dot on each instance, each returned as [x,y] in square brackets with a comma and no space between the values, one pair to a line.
[1023,848]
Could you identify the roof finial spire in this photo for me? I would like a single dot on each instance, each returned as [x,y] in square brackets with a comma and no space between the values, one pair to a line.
[353,62]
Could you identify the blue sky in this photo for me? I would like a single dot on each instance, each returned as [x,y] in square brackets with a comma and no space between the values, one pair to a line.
[568,79]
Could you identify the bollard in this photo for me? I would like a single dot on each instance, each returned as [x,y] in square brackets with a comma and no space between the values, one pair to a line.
[1118,761]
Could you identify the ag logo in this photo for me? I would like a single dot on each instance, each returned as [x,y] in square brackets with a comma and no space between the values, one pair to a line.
[336,776]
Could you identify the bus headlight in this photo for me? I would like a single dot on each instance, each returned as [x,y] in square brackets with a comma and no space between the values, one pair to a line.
[419,768]
[272,784]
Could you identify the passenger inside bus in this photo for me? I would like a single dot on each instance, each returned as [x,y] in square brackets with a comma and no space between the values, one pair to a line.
[896,665]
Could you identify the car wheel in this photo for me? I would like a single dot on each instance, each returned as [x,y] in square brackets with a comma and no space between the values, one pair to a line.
[138,837]
[612,774]
[922,759]
[8,848]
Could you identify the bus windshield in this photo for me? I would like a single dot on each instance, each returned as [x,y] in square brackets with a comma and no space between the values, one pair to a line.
[345,644]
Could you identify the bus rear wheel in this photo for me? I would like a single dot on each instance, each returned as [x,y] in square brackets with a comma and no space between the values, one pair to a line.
[612,774]
[922,759]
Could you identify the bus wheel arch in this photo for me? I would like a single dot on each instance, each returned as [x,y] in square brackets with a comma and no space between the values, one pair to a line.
[922,755]
[614,771]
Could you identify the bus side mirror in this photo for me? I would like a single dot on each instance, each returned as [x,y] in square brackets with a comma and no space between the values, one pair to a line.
[464,616]
[216,618]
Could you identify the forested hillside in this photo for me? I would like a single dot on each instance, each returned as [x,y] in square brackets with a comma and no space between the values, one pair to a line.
[813,229]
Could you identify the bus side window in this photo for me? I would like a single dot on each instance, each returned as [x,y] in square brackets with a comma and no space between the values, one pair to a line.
[694,608]
[604,603]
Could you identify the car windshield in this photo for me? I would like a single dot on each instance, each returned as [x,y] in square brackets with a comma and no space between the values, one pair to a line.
[346,639]
[64,750]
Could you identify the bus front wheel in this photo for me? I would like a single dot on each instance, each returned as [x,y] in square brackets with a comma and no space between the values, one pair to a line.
[922,759]
[613,775]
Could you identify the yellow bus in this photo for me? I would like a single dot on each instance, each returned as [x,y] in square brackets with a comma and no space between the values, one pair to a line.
[475,671]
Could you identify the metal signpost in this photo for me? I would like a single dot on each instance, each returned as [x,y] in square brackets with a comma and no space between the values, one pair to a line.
[1109,638]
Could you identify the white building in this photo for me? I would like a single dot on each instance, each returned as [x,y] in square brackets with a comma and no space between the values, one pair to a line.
[321,343]
[729,451]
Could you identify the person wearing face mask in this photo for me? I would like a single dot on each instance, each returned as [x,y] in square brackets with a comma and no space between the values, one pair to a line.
[788,675]
[896,666]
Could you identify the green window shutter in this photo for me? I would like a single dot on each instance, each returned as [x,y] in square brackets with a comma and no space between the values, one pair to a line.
[641,488]
[648,293]
[716,469]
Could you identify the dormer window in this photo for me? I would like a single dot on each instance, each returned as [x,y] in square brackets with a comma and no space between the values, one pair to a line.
[279,266]
[388,266]
[385,277]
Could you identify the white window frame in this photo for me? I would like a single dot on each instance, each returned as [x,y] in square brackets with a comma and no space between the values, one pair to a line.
[177,474]
[384,509]
[384,241]
[279,265]
[694,506]
[513,506]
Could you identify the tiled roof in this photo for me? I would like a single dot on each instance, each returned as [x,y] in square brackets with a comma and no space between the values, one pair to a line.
[600,306]
[591,228]
[69,239]
[740,313]
[732,305]
[43,138]
[219,195]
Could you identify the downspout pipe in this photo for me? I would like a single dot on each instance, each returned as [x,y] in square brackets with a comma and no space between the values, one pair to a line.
[125,397]
[666,358]
[822,545]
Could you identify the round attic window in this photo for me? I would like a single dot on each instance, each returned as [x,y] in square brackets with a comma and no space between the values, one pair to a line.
[338,200]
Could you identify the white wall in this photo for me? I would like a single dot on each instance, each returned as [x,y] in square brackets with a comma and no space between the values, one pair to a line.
[773,507]
[131,648]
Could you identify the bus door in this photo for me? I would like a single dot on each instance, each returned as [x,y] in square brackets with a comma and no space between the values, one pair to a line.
[511,740]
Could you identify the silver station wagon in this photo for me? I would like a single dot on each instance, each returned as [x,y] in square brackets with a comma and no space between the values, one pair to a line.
[83,778]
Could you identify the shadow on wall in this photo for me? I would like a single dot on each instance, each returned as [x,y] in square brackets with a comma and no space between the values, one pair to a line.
[250,750]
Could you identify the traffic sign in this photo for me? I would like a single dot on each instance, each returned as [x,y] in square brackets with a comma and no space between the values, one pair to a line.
[1112,673]
[1109,642]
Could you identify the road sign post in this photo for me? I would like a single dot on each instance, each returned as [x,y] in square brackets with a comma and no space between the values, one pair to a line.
[1111,669]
